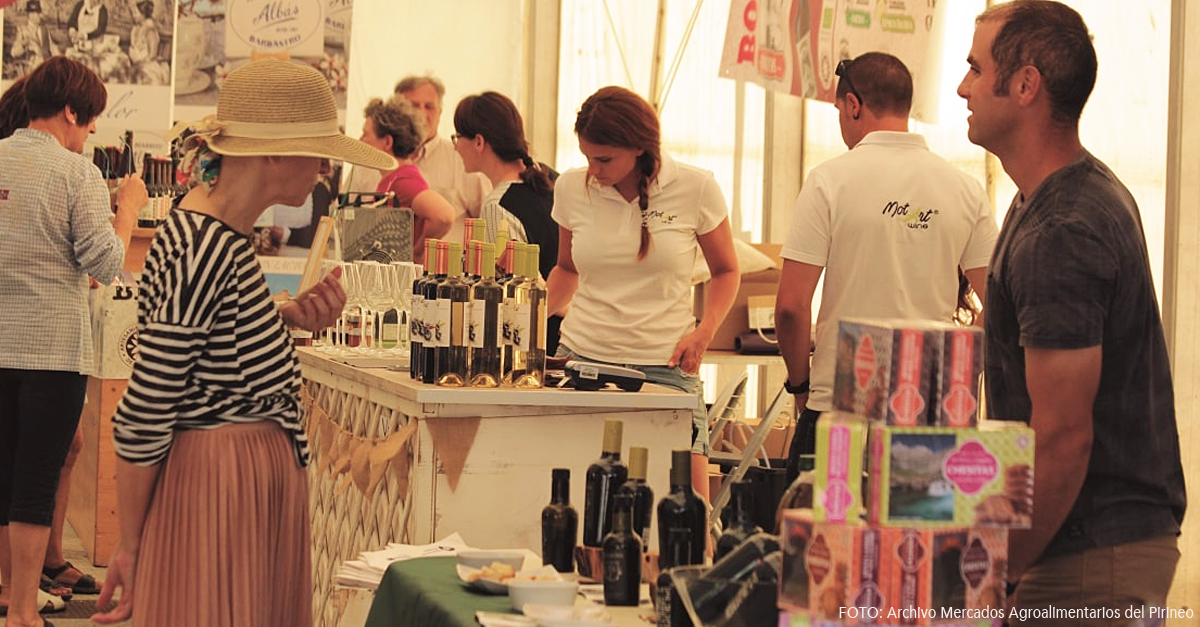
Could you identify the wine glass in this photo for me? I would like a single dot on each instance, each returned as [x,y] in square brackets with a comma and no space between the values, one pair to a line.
[403,275]
[353,315]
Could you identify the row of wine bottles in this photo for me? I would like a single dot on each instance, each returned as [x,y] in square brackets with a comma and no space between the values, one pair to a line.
[162,188]
[476,328]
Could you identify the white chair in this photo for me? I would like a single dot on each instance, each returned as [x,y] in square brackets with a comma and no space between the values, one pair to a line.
[724,408]
[754,445]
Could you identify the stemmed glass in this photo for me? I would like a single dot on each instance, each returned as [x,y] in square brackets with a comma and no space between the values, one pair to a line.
[402,275]
[353,318]
[373,276]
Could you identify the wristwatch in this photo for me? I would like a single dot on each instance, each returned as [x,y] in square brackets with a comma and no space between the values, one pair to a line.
[801,388]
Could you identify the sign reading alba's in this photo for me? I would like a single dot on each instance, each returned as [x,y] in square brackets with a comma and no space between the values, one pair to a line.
[296,27]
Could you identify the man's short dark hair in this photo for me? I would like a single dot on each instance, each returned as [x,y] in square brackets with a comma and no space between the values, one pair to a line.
[59,82]
[882,82]
[409,83]
[1051,37]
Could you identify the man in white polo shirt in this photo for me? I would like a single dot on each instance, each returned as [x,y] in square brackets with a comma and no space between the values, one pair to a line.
[888,223]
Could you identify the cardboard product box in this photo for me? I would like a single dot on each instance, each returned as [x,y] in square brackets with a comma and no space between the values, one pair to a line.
[940,576]
[761,283]
[959,370]
[950,476]
[828,567]
[885,369]
[838,482]
[114,327]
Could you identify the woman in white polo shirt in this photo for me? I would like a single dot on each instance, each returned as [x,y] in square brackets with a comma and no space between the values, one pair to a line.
[631,227]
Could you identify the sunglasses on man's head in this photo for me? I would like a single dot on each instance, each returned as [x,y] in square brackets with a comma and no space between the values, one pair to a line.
[843,71]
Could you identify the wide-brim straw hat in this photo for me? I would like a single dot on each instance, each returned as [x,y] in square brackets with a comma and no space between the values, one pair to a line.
[272,107]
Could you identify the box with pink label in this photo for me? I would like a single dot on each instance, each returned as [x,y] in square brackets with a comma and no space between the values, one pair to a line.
[908,372]
[951,477]
[861,574]
[885,369]
[838,473]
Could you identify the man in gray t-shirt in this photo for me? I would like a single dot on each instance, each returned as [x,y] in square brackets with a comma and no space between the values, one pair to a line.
[1075,344]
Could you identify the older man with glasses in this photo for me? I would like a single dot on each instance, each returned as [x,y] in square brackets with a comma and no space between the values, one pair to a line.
[889,224]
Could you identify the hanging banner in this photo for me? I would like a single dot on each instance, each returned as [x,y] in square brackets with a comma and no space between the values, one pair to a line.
[793,46]
[128,44]
[217,36]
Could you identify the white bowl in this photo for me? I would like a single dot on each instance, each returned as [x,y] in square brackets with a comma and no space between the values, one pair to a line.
[479,559]
[521,593]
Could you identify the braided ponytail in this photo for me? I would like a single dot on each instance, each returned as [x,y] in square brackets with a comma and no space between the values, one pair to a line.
[644,205]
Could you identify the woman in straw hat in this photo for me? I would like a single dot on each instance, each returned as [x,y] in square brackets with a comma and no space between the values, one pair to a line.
[213,495]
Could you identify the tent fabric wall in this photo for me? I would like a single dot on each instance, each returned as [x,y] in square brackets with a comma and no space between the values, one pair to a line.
[471,45]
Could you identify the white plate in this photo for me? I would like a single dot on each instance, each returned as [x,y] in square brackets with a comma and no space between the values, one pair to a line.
[482,584]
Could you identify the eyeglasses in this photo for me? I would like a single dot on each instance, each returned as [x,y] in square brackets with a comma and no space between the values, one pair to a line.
[843,71]
[454,137]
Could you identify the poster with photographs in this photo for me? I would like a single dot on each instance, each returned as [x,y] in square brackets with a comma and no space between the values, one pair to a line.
[126,42]
[217,36]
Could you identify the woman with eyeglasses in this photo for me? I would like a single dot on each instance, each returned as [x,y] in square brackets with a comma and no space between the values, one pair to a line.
[632,226]
[394,127]
[490,138]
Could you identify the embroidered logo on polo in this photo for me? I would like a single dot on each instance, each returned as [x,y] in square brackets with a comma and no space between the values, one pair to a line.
[652,215]
[918,218]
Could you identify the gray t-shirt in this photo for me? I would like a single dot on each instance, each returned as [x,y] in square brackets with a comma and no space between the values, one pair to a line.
[1070,270]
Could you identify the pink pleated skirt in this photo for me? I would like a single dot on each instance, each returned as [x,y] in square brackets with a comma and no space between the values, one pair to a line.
[226,540]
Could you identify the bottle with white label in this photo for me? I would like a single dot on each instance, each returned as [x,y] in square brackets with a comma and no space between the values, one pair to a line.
[515,292]
[484,327]
[450,356]
[531,320]
[517,321]
[429,331]
[417,315]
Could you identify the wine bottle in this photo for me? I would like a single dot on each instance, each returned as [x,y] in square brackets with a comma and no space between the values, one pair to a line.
[638,490]
[682,509]
[667,602]
[145,216]
[531,322]
[452,297]
[560,523]
[622,557]
[487,298]
[604,476]
[740,523]
[429,334]
[469,233]
[470,264]
[417,317]
[162,200]
[516,294]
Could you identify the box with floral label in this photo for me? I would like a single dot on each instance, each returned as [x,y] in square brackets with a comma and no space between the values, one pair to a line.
[908,372]
[945,476]
[870,575]
[838,472]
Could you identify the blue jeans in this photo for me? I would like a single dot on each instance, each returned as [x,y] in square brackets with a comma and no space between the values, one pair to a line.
[666,376]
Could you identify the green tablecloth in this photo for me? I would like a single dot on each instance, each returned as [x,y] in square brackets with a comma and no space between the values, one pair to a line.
[428,593]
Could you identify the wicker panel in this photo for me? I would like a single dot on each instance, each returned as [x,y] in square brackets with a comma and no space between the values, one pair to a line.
[344,521]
